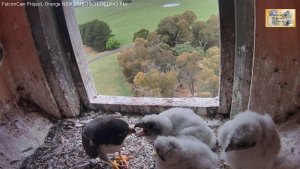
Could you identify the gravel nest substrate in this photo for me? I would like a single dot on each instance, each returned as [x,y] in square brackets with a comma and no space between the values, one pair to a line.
[63,149]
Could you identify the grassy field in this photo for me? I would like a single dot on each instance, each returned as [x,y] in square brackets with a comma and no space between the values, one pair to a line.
[124,21]
[108,77]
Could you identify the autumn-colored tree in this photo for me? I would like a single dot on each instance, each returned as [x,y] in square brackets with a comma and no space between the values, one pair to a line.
[213,51]
[188,69]
[209,76]
[166,63]
[155,83]
[130,66]
[145,56]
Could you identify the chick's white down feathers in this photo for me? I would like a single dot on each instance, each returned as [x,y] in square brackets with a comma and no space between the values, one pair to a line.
[251,141]
[181,121]
[183,152]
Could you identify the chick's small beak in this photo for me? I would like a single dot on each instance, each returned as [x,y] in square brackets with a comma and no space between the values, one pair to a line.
[142,126]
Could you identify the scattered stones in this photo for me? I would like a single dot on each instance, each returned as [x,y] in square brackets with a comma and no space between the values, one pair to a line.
[63,147]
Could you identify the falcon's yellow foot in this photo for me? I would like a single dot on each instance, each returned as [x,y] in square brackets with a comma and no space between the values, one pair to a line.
[124,160]
[115,164]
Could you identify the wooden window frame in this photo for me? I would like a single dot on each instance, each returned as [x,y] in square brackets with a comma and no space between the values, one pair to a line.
[68,30]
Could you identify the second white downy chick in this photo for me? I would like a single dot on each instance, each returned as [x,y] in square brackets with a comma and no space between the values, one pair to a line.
[249,141]
[183,152]
[176,122]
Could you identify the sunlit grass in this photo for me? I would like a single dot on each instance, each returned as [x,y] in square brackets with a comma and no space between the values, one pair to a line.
[108,77]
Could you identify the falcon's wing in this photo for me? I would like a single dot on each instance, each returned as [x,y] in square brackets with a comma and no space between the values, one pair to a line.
[90,149]
[88,132]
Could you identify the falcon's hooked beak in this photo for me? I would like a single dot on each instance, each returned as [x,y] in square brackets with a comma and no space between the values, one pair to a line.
[131,130]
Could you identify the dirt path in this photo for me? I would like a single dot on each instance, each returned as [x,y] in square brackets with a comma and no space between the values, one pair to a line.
[109,52]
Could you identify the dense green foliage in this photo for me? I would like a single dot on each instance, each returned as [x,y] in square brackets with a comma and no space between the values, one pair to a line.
[124,21]
[95,34]
[143,33]
[176,29]
[185,47]
[206,34]
[112,43]
[183,28]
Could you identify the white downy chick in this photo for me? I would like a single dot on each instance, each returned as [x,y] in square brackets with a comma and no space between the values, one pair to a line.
[183,152]
[175,122]
[249,141]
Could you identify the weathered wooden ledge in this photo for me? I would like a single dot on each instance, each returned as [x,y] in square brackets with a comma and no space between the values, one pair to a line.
[151,105]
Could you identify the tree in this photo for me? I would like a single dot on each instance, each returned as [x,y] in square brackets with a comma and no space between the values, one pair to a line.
[188,69]
[189,16]
[102,33]
[213,51]
[206,34]
[185,47]
[209,76]
[176,29]
[95,34]
[143,33]
[89,35]
[130,65]
[112,43]
[155,83]
[158,69]
[145,56]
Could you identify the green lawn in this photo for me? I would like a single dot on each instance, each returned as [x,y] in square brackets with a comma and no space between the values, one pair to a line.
[109,78]
[124,21]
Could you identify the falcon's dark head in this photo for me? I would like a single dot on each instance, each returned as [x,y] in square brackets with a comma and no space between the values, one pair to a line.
[114,132]
[103,131]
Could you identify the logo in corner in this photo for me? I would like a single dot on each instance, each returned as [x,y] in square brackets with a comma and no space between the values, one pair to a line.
[280,17]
